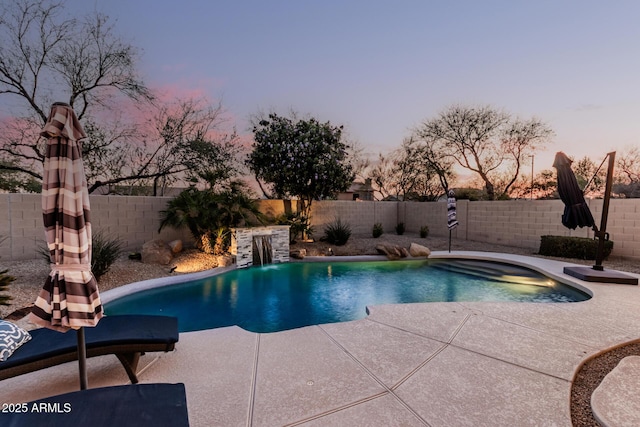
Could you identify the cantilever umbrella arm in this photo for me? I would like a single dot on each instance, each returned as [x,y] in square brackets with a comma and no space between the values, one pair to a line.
[602,234]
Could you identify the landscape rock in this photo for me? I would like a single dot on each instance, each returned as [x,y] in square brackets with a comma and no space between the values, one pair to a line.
[156,252]
[176,246]
[392,251]
[298,253]
[416,250]
[225,260]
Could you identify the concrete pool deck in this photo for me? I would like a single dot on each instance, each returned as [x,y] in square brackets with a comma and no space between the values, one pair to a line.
[428,364]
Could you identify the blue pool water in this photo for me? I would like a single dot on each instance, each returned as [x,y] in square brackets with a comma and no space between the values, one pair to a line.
[285,296]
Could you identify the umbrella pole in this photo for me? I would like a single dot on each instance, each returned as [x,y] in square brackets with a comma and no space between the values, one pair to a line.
[82,359]
[602,235]
[449,240]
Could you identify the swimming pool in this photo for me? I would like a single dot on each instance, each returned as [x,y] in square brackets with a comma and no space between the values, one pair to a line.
[286,296]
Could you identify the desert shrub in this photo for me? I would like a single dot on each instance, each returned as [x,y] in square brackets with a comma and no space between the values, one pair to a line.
[400,229]
[572,247]
[337,232]
[377,230]
[424,231]
[105,251]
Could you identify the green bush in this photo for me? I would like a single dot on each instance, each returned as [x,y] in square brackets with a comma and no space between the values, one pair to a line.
[337,232]
[572,247]
[424,231]
[400,228]
[377,230]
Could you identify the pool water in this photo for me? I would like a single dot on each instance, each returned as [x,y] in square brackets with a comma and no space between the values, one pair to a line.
[285,296]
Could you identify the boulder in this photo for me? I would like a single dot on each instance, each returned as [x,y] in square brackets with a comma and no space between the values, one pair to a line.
[392,251]
[156,252]
[176,246]
[225,260]
[417,250]
[298,253]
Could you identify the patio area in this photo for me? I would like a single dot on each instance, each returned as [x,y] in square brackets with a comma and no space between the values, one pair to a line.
[431,364]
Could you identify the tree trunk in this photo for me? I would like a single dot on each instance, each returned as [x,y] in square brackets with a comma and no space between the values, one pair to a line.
[491,191]
[305,210]
[204,243]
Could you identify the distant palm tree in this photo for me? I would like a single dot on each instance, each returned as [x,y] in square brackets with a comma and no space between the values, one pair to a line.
[210,214]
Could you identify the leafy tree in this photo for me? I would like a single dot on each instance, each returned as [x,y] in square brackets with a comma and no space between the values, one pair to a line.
[209,214]
[14,182]
[485,141]
[300,158]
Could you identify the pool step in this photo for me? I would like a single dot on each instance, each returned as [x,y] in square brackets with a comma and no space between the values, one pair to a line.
[493,271]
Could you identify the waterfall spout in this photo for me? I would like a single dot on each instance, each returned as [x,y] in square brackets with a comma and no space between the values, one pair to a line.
[262,250]
[260,245]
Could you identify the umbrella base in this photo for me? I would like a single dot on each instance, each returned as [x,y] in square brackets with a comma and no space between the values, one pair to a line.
[589,274]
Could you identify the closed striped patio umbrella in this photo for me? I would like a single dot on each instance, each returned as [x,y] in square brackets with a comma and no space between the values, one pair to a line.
[452,220]
[69,298]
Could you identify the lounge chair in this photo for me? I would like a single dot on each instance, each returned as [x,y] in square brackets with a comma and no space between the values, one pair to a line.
[140,405]
[126,336]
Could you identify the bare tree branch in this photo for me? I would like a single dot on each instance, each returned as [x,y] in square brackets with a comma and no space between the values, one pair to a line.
[484,141]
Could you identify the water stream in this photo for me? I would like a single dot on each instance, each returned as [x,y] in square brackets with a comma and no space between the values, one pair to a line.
[262,250]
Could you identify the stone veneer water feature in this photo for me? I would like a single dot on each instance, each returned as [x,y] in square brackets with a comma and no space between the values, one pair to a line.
[242,243]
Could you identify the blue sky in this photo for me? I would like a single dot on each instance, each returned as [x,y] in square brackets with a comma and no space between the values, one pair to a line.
[380,67]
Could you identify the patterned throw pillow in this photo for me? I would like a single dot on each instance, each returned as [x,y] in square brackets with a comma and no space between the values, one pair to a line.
[11,337]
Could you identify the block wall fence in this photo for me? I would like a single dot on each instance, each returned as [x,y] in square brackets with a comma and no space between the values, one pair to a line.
[518,223]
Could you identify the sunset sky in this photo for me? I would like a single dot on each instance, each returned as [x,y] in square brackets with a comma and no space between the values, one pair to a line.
[380,67]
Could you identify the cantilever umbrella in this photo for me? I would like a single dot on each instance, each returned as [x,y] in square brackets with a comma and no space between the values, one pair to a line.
[69,298]
[576,211]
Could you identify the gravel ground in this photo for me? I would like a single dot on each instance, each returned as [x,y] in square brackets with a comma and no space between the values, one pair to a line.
[31,274]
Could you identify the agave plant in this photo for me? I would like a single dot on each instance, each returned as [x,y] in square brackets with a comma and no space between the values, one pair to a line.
[337,232]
